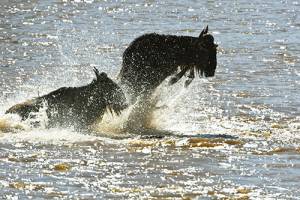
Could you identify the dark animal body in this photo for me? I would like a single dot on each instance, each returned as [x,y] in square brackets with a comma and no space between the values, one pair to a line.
[77,106]
[151,58]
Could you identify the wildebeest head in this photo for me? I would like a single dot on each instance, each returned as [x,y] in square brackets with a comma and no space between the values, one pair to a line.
[109,92]
[208,45]
[203,56]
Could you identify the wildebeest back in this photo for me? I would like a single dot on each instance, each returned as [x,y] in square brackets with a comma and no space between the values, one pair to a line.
[77,106]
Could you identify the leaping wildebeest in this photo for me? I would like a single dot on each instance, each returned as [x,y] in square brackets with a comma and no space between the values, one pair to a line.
[151,58]
[79,107]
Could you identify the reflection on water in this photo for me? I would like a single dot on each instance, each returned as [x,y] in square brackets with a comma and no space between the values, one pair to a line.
[70,165]
[232,136]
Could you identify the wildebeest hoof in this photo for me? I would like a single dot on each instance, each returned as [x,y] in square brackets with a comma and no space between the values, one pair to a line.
[187,82]
[173,80]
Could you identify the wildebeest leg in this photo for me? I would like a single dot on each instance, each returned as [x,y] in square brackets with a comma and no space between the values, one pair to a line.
[191,77]
[178,76]
[139,115]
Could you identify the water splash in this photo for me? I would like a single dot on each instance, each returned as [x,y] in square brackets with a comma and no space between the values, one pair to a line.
[11,123]
[134,120]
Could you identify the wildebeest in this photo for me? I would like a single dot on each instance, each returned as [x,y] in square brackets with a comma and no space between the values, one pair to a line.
[151,58]
[79,107]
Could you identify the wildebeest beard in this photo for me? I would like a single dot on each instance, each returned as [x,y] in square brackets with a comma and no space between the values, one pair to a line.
[78,107]
[151,58]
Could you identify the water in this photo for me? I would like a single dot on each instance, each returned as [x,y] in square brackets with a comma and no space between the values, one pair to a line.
[234,136]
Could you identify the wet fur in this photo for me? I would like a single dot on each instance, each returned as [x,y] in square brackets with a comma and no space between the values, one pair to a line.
[76,106]
[151,58]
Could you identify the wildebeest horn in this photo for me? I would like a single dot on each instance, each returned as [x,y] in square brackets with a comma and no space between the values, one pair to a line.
[204,31]
[96,72]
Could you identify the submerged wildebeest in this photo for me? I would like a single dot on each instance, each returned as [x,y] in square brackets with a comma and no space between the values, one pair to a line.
[79,107]
[151,58]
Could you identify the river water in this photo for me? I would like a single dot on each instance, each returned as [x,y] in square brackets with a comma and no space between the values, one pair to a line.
[236,135]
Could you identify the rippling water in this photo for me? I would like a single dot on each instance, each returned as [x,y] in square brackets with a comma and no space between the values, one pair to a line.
[232,136]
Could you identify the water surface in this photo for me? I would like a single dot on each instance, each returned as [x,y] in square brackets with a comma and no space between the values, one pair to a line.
[235,135]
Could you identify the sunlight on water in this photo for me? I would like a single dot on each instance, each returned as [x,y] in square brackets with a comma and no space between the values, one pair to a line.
[233,136]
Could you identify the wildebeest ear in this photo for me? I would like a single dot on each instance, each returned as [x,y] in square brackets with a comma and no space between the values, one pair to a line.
[204,31]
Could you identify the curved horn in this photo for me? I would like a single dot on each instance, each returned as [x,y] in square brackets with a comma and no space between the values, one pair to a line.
[204,31]
[96,72]
[201,34]
[100,76]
